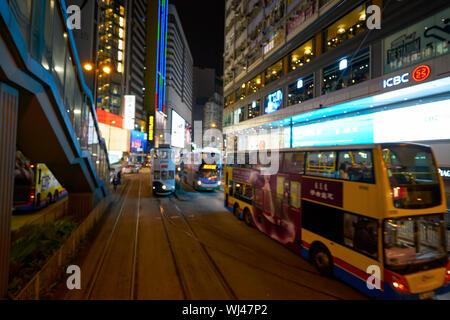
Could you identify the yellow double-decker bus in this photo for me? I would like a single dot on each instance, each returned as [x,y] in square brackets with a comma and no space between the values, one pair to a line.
[35,186]
[371,215]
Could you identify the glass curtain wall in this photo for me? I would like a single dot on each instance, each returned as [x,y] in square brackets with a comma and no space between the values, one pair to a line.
[52,49]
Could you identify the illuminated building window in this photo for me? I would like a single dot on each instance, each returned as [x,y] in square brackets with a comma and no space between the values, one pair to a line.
[301,56]
[274,72]
[358,70]
[241,92]
[255,84]
[254,109]
[301,90]
[346,28]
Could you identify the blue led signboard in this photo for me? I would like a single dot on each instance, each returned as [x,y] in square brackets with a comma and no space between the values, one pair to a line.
[274,101]
[138,141]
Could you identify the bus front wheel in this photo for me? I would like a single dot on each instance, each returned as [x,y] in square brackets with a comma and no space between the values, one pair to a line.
[321,258]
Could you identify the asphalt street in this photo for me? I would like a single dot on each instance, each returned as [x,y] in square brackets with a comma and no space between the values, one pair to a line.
[190,247]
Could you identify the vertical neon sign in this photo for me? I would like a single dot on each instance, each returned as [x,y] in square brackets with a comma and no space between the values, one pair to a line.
[160,96]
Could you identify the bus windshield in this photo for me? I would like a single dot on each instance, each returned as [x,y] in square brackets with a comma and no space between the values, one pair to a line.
[413,242]
[208,174]
[413,176]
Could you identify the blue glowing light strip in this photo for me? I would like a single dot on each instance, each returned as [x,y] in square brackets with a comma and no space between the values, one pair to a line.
[157,58]
[165,51]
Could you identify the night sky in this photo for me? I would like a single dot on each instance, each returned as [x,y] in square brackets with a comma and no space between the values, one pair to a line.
[203,25]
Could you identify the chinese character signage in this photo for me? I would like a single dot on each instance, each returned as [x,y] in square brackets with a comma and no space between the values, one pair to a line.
[329,192]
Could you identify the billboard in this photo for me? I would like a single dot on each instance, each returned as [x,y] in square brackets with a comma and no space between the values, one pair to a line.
[129,112]
[138,142]
[274,101]
[426,122]
[178,130]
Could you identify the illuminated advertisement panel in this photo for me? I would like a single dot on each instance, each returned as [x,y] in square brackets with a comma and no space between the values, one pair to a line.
[274,101]
[178,130]
[129,112]
[355,130]
[418,123]
[426,122]
[138,142]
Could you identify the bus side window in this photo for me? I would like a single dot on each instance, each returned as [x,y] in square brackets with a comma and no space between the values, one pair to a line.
[39,178]
[295,194]
[294,162]
[248,192]
[321,163]
[361,234]
[231,189]
[355,166]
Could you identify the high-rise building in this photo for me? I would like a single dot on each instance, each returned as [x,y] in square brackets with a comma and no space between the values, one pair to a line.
[330,72]
[111,55]
[135,50]
[155,70]
[208,99]
[179,88]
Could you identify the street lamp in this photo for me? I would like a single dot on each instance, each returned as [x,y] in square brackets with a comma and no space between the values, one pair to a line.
[88,67]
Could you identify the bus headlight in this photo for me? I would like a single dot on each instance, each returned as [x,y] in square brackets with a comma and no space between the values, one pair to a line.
[199,183]
[164,187]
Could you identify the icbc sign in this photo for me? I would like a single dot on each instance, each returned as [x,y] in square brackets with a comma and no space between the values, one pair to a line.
[421,73]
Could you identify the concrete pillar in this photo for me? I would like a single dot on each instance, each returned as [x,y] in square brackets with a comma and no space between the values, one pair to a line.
[9,105]
[80,204]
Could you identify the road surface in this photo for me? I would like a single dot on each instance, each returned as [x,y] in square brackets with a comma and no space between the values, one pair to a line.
[164,248]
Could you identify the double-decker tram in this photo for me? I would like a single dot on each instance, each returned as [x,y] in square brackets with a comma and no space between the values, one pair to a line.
[35,186]
[371,215]
[163,170]
[202,169]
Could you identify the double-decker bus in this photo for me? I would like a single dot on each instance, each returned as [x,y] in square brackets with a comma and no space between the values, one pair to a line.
[202,169]
[35,186]
[163,170]
[362,213]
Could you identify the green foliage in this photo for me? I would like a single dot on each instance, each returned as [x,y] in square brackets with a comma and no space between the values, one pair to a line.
[31,248]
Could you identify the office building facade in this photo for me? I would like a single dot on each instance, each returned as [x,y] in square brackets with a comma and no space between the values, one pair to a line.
[318,72]
[179,87]
[135,58]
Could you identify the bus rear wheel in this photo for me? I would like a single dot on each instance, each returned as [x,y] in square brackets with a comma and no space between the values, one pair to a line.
[56,196]
[248,217]
[321,258]
[237,211]
[37,204]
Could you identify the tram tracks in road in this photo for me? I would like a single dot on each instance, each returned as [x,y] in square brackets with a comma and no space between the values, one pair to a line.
[107,248]
[206,247]
[191,233]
